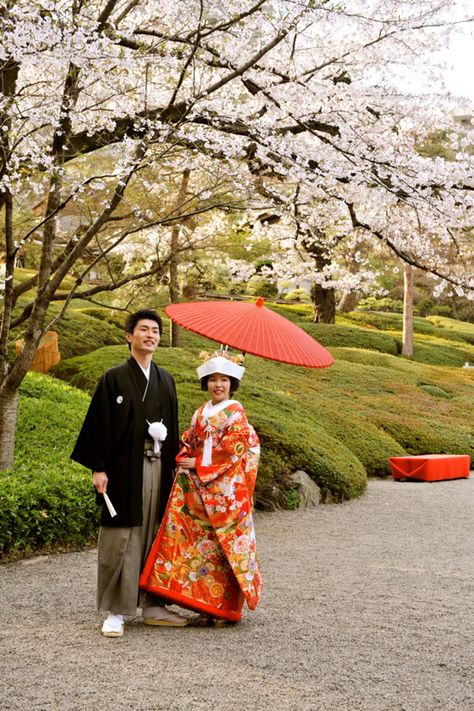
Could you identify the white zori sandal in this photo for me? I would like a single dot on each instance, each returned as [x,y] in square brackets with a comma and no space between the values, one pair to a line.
[161,617]
[113,625]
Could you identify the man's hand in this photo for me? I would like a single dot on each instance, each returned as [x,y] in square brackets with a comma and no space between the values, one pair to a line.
[100,479]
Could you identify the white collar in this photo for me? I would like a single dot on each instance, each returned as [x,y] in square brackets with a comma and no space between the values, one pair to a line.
[145,371]
[210,410]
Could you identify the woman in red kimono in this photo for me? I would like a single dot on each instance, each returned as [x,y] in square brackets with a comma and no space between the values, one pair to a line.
[204,555]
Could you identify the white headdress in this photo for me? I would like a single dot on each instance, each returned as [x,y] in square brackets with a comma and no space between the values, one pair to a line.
[220,362]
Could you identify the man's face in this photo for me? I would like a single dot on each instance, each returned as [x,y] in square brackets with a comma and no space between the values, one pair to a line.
[145,337]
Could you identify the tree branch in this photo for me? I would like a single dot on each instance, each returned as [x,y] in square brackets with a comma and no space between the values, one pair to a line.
[356,223]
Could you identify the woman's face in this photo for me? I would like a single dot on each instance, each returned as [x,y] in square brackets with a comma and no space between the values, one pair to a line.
[218,386]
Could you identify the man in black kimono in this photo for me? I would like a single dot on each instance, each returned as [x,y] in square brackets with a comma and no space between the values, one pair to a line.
[115,444]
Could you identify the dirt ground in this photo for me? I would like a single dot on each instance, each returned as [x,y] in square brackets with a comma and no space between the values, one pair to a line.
[367,606]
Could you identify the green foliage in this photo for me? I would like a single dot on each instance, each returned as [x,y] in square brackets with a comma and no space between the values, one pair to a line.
[434,335]
[293,312]
[292,501]
[371,444]
[116,318]
[46,501]
[297,295]
[84,371]
[439,352]
[338,424]
[265,288]
[273,481]
[306,445]
[385,303]
[424,306]
[334,335]
[463,309]
[80,332]
[435,390]
[437,145]
[420,435]
[259,286]
[449,327]
[441,310]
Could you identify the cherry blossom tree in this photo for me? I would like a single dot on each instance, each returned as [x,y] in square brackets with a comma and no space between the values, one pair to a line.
[295,101]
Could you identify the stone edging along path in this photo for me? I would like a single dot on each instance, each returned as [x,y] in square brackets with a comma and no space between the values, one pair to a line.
[367,605]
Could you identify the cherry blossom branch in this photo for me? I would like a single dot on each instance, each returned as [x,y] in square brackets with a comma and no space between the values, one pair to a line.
[402,254]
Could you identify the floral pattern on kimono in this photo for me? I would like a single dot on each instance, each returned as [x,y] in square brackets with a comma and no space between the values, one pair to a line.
[204,556]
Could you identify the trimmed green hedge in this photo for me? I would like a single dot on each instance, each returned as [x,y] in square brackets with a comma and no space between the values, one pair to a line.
[334,335]
[46,501]
[418,435]
[339,424]
[78,332]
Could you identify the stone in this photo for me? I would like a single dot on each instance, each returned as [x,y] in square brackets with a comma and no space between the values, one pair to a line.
[309,492]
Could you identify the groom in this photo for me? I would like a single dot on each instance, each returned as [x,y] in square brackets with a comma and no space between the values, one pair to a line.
[115,444]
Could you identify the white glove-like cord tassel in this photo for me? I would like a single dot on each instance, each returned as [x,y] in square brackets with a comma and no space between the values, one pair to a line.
[158,431]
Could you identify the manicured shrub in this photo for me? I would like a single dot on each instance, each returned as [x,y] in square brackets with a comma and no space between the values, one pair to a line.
[424,306]
[435,390]
[338,424]
[273,481]
[435,326]
[300,313]
[370,444]
[116,318]
[459,329]
[307,446]
[50,508]
[330,335]
[297,295]
[385,303]
[441,352]
[442,310]
[424,436]
[84,371]
[46,500]
[81,333]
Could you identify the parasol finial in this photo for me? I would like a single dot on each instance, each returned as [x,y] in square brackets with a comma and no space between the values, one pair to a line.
[260,301]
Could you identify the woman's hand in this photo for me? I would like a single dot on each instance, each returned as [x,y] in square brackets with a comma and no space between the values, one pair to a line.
[187,463]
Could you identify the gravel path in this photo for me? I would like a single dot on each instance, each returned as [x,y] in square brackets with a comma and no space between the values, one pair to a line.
[367,605]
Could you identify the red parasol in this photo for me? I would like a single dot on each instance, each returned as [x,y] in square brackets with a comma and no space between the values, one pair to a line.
[251,328]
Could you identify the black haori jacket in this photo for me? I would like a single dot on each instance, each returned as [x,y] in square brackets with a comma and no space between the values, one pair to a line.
[114,431]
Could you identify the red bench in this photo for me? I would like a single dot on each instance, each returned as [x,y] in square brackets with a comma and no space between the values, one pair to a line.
[431,467]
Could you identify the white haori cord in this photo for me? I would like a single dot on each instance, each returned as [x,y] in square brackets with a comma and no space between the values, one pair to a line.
[209,411]
[158,431]
[207,448]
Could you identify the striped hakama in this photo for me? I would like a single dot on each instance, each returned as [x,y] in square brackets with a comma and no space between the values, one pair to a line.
[122,552]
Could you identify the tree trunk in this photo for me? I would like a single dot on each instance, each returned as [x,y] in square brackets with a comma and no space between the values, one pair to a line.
[8,416]
[174,285]
[173,263]
[407,337]
[324,304]
[348,302]
[323,300]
